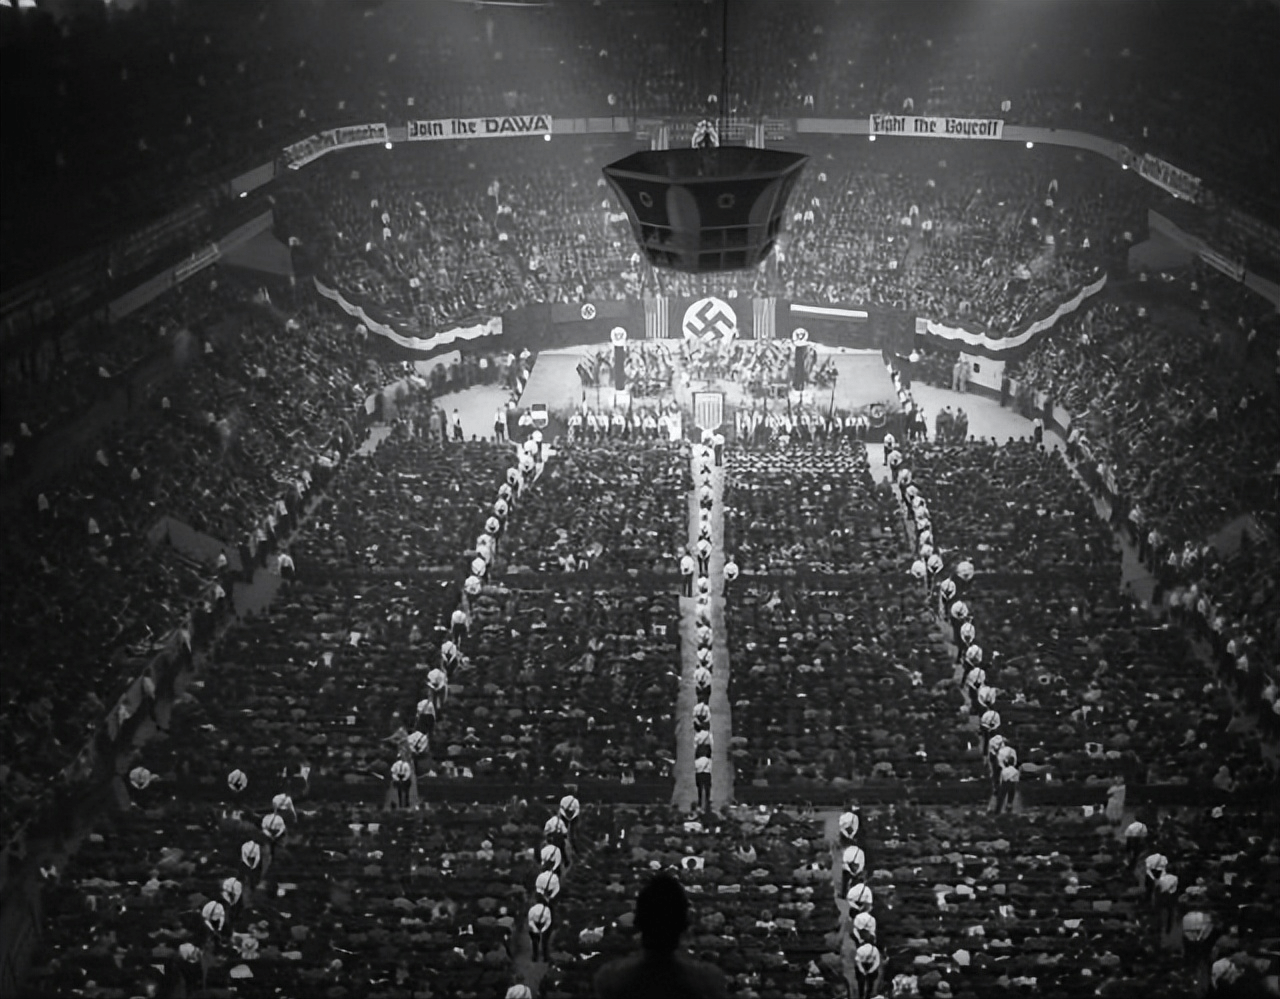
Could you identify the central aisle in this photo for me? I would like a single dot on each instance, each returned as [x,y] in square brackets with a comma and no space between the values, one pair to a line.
[685,795]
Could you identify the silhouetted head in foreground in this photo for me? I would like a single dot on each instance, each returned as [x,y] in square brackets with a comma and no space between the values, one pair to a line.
[660,968]
[662,913]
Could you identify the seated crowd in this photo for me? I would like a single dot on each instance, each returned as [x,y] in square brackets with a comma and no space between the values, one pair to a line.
[824,626]
[1194,403]
[342,899]
[1055,632]
[1141,434]
[1211,402]
[1074,685]
[360,901]
[978,236]
[374,684]
[805,509]
[232,435]
[1055,901]
[48,387]
[965,596]
[438,234]
[524,681]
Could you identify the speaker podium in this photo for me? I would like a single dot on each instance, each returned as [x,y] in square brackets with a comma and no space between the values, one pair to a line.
[706,210]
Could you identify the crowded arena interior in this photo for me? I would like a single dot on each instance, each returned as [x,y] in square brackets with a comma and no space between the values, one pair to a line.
[414,587]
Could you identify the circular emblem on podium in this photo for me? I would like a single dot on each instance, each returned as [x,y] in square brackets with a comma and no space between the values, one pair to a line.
[588,311]
[799,335]
[617,336]
[726,200]
[710,317]
[645,199]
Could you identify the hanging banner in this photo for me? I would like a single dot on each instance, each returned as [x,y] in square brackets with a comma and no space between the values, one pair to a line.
[586,312]
[504,126]
[310,149]
[1231,268]
[197,262]
[764,312]
[1164,175]
[710,319]
[620,366]
[937,128]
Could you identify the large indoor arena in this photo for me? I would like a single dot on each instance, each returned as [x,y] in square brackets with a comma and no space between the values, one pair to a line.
[420,580]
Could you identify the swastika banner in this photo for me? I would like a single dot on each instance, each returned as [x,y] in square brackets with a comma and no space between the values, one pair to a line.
[710,319]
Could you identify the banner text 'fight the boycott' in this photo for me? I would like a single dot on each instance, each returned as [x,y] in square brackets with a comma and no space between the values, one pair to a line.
[945,128]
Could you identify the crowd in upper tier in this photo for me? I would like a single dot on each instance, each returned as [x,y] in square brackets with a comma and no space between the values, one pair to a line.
[1154,408]
[124,112]
[440,235]
[1155,403]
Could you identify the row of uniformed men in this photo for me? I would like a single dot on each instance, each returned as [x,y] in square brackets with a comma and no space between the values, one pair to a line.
[530,457]
[867,958]
[559,831]
[559,836]
[1161,890]
[706,457]
[759,425]
[928,566]
[620,425]
[710,452]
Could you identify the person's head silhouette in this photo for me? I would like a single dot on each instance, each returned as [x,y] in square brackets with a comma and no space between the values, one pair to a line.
[661,968]
[662,913]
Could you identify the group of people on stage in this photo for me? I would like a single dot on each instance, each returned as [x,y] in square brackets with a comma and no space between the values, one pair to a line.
[653,368]
[644,423]
[762,367]
[760,426]
[649,368]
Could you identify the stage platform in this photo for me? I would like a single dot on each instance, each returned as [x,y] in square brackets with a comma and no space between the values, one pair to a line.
[861,380]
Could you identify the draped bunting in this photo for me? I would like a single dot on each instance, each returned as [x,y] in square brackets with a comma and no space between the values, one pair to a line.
[562,323]
[1011,345]
[418,346]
